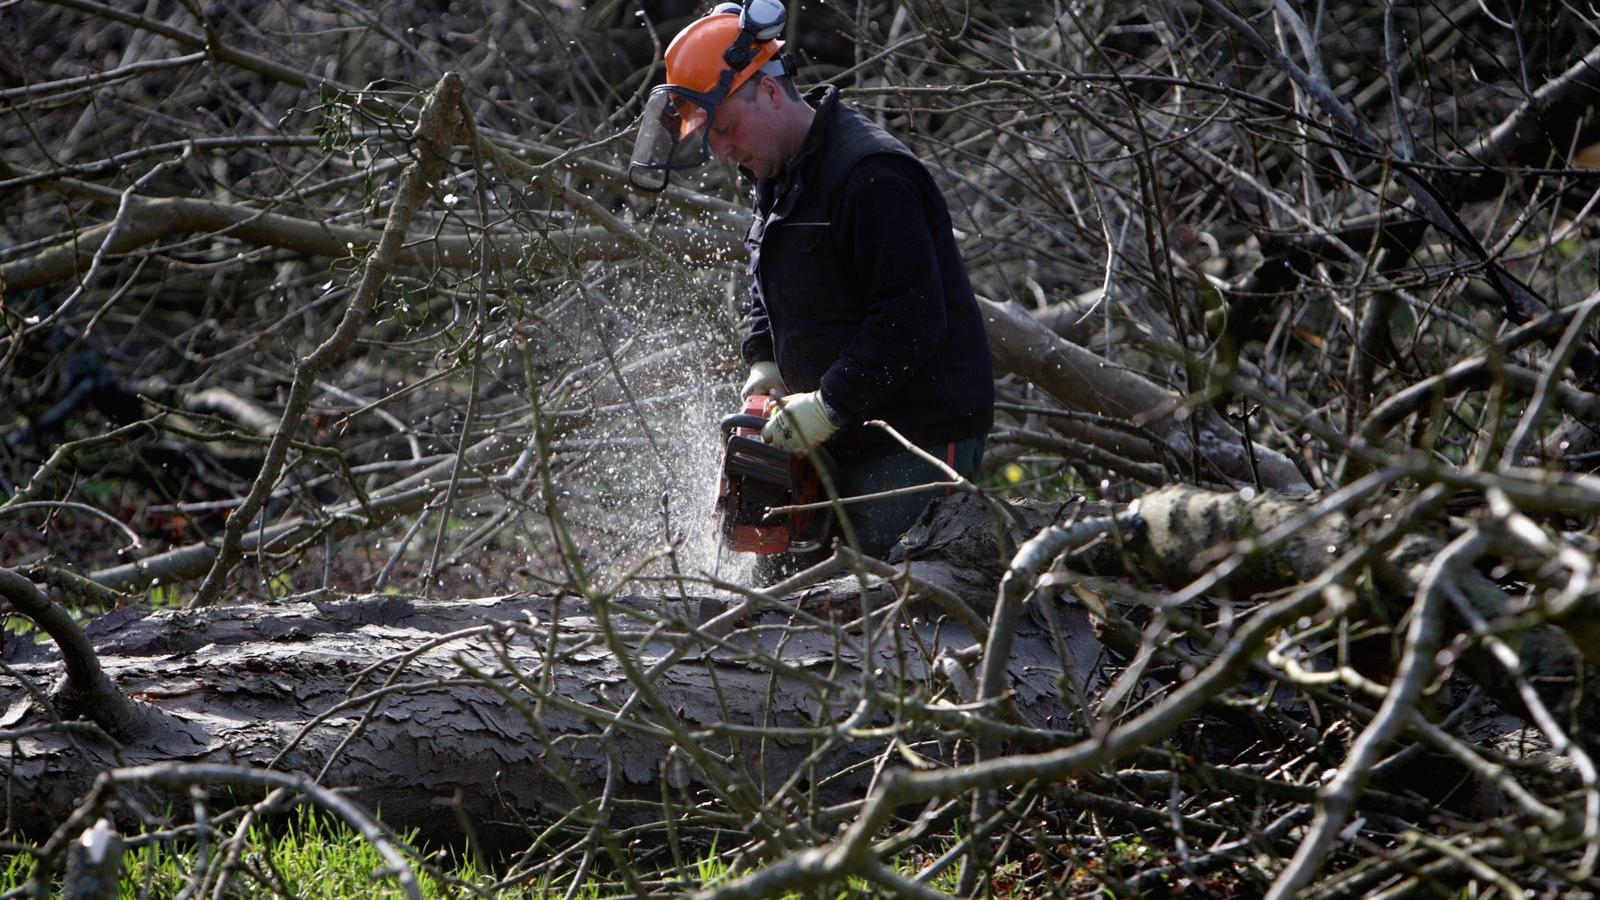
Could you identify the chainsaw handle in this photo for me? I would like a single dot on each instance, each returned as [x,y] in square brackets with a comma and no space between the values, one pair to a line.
[742,420]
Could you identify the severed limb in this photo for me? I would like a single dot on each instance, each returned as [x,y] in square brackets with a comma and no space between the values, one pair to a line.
[86,690]
[1082,380]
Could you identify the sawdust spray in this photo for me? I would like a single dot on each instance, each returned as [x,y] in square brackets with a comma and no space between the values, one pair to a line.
[650,480]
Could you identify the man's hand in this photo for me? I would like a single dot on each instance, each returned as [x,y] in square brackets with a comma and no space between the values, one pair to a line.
[802,421]
[764,379]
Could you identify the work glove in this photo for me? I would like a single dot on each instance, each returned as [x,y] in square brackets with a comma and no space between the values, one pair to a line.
[764,379]
[802,421]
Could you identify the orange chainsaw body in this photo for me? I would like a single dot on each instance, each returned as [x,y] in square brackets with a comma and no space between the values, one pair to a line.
[757,477]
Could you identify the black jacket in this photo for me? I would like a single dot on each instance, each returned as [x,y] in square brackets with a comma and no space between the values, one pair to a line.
[858,288]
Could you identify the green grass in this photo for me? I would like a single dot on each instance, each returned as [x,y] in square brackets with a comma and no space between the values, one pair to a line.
[309,856]
[163,596]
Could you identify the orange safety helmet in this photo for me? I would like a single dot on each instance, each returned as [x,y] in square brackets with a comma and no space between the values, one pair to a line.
[697,57]
[706,62]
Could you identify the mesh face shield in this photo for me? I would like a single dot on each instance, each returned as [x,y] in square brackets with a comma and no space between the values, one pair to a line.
[717,54]
[672,135]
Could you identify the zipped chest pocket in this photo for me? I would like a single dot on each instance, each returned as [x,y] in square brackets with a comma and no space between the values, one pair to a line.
[802,274]
[801,237]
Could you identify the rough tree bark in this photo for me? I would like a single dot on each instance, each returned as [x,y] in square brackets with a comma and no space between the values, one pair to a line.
[256,684]
[512,709]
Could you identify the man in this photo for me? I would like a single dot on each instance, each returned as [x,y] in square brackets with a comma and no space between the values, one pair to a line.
[860,304]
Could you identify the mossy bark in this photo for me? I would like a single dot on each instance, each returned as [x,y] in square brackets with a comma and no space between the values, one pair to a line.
[1186,529]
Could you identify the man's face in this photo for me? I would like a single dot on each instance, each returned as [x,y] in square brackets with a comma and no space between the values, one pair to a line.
[743,131]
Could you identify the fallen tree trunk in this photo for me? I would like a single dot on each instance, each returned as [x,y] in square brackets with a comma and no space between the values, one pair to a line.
[598,713]
[503,710]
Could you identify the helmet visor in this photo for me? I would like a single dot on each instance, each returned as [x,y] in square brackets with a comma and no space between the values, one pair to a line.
[672,135]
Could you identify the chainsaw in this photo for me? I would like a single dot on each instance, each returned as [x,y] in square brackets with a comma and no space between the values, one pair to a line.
[757,476]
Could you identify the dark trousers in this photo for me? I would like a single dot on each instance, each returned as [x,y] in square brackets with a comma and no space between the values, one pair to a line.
[879,524]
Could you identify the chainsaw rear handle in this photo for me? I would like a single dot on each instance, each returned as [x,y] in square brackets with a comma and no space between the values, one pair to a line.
[746,420]
[742,420]
[757,445]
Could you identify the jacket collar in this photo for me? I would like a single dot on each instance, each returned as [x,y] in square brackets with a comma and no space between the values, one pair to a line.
[825,99]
